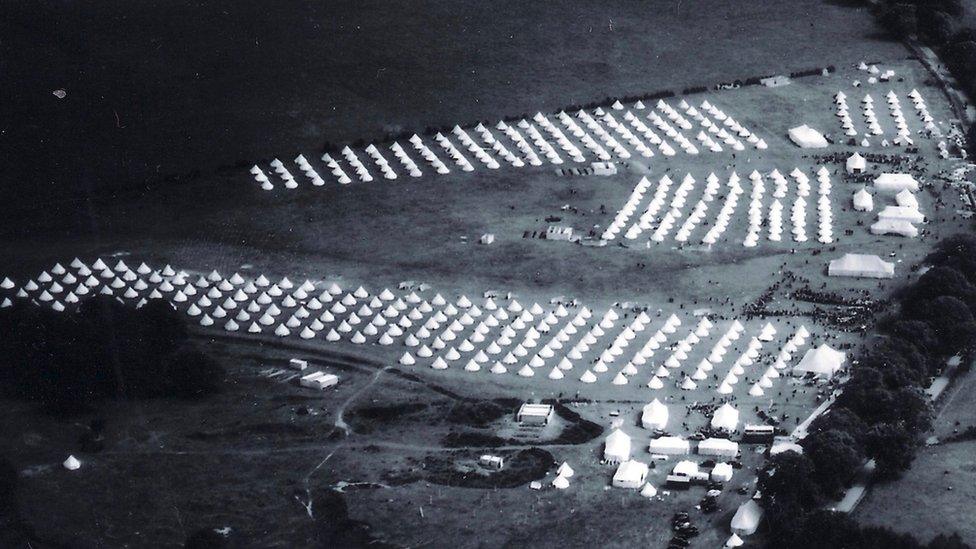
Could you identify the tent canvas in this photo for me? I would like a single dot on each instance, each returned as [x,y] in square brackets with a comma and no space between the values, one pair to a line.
[616,447]
[863,201]
[630,474]
[822,362]
[895,182]
[726,418]
[669,446]
[806,137]
[655,415]
[861,266]
[746,518]
[722,472]
[901,213]
[856,163]
[718,447]
[898,227]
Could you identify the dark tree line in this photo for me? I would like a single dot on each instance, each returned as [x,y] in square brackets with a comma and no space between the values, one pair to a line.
[103,350]
[882,412]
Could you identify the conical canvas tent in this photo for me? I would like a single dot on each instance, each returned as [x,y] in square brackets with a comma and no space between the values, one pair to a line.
[655,415]
[616,447]
[71,464]
[746,518]
[863,201]
[726,418]
[821,362]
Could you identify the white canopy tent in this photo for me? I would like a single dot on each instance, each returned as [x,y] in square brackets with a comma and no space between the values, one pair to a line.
[616,447]
[856,163]
[806,137]
[655,415]
[863,201]
[718,447]
[823,361]
[669,446]
[726,418]
[861,266]
[746,518]
[630,474]
[899,227]
[895,183]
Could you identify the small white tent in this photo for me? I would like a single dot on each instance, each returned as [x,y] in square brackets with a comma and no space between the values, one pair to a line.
[907,199]
[863,201]
[856,163]
[722,472]
[861,266]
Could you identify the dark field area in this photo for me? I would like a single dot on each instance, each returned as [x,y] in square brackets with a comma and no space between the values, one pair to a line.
[155,90]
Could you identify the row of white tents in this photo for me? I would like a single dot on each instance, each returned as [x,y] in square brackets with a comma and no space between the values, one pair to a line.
[650,218]
[903,132]
[513,337]
[529,145]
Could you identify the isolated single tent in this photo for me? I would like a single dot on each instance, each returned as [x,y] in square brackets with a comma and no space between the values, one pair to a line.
[861,266]
[616,447]
[823,361]
[806,137]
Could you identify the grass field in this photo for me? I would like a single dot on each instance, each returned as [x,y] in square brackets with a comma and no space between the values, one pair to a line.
[155,91]
[942,478]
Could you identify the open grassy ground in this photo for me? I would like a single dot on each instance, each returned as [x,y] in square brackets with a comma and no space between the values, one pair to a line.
[936,494]
[154,90]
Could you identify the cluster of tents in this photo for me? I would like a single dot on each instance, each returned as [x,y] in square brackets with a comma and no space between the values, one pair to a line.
[903,135]
[899,218]
[633,474]
[662,226]
[507,335]
[530,343]
[797,211]
[750,357]
[723,130]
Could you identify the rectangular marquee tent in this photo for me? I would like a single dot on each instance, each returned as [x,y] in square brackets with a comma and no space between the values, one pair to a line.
[669,446]
[718,447]
[861,266]
[895,183]
[630,474]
